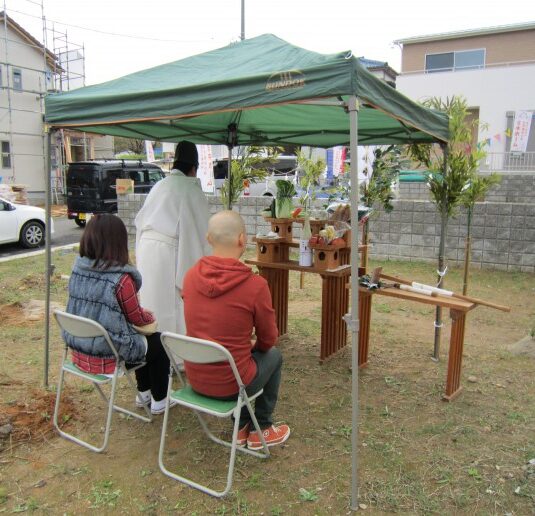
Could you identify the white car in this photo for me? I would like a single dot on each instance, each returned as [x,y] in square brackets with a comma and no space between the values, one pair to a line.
[22,223]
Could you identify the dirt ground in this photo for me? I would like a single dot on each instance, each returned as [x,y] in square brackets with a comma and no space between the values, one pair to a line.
[417,454]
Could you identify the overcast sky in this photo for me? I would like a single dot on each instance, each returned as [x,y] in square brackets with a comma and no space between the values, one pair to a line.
[176,28]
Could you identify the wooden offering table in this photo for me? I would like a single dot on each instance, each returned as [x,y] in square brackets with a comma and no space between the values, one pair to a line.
[331,263]
[458,310]
[334,300]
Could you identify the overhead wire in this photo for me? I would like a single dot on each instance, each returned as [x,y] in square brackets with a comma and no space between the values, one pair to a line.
[115,34]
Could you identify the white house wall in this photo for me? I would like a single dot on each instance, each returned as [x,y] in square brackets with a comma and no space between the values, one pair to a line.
[26,112]
[494,90]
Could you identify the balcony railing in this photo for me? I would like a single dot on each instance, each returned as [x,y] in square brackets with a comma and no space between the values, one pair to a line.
[509,161]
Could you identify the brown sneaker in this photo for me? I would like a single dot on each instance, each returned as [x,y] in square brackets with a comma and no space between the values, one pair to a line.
[243,435]
[273,435]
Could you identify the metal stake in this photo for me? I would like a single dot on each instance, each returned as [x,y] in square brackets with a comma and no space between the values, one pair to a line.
[48,257]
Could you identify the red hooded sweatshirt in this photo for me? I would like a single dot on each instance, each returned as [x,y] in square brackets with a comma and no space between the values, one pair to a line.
[224,302]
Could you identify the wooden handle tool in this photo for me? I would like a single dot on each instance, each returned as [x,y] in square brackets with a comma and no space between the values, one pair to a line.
[470,299]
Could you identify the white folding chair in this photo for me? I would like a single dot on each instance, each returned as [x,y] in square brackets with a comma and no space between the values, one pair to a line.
[205,352]
[86,328]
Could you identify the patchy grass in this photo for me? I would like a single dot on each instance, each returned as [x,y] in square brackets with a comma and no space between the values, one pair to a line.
[417,454]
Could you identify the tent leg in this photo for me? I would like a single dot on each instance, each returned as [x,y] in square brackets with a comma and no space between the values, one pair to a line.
[229,201]
[48,265]
[352,319]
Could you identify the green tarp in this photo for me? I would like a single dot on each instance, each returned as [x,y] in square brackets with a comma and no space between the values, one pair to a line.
[264,85]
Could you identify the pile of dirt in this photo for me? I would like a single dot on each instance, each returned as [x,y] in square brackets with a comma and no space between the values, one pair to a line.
[32,281]
[12,314]
[34,309]
[20,314]
[31,420]
[524,347]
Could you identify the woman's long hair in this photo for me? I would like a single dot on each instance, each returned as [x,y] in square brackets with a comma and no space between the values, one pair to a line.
[105,240]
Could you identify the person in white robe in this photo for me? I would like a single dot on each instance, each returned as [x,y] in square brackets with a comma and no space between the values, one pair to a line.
[171,232]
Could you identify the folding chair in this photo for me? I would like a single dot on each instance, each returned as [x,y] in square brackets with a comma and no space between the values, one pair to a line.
[205,352]
[86,328]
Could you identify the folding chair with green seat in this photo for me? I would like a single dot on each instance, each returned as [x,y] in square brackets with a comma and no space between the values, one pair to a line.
[206,352]
[86,328]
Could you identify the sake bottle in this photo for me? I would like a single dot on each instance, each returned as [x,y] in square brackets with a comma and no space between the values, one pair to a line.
[305,252]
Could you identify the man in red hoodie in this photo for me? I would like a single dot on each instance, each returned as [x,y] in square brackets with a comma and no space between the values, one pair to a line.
[224,302]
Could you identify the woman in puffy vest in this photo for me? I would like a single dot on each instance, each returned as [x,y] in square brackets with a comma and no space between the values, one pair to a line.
[103,287]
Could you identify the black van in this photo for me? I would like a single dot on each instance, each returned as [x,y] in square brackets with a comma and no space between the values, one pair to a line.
[91,185]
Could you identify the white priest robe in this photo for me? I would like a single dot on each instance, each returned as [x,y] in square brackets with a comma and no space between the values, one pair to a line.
[171,232]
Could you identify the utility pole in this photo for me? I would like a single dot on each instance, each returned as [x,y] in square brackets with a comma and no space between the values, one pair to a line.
[242,35]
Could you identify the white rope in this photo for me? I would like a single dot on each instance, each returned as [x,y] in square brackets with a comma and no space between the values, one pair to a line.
[438,325]
[441,275]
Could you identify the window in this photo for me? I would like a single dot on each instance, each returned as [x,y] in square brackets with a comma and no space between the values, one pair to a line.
[17,79]
[469,59]
[460,60]
[6,155]
[439,62]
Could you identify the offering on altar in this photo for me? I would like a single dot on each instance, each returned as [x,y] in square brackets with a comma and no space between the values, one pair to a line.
[269,234]
[284,199]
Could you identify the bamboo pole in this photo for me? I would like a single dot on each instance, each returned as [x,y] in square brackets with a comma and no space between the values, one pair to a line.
[441,260]
[467,251]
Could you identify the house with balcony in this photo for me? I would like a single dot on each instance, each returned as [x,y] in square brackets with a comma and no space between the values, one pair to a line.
[494,69]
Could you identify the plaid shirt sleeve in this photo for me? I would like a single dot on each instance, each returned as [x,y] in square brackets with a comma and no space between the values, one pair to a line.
[126,294]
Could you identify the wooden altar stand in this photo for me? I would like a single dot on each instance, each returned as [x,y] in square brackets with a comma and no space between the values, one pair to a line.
[274,265]
[333,266]
[458,310]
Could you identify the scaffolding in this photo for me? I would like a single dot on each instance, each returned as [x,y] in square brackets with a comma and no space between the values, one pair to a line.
[70,74]
[24,86]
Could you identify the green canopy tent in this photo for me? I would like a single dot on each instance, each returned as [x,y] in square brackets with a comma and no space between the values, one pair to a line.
[261,91]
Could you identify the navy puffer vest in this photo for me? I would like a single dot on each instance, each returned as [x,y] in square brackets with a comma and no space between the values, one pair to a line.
[92,295]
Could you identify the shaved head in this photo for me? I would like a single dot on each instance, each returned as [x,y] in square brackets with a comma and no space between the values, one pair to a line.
[225,228]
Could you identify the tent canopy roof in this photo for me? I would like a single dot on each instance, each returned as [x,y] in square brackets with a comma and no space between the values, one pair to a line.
[269,88]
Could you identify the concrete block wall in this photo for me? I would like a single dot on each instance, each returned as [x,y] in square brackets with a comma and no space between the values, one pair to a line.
[248,207]
[413,191]
[503,234]
[514,187]
[519,188]
[127,208]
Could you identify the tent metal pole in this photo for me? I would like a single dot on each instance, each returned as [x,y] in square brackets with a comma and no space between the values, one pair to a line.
[352,319]
[48,260]
[242,34]
[229,200]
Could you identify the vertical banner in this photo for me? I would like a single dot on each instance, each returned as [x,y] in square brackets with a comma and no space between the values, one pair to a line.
[149,151]
[330,167]
[206,168]
[339,155]
[335,162]
[521,129]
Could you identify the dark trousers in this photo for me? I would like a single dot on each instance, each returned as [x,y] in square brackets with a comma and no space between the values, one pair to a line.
[155,374]
[268,377]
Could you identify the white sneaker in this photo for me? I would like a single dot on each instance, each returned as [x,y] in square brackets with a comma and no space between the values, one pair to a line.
[143,398]
[158,407]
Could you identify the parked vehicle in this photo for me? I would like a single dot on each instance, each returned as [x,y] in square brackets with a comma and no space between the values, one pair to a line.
[22,223]
[284,168]
[91,185]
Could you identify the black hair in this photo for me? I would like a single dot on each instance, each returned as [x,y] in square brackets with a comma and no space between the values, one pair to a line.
[183,166]
[105,240]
